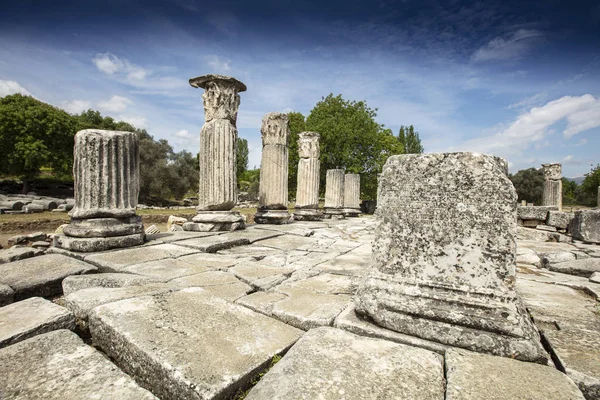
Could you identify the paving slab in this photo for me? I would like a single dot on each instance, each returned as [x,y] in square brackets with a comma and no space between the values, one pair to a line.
[189,344]
[295,229]
[556,257]
[219,283]
[581,267]
[18,253]
[329,363]
[261,276]
[349,321]
[292,242]
[109,280]
[261,302]
[252,234]
[115,261]
[170,237]
[532,273]
[306,309]
[325,283]
[41,276]
[212,244]
[256,251]
[7,295]
[31,317]
[59,366]
[474,376]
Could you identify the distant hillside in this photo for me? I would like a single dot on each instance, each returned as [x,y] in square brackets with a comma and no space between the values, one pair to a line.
[577,179]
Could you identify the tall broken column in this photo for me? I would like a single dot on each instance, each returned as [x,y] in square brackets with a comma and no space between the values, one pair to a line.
[334,194]
[352,195]
[107,181]
[273,186]
[552,185]
[309,167]
[218,141]
[445,255]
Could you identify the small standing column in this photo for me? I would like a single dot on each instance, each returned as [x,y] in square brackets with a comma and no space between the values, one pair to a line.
[552,185]
[334,194]
[273,187]
[107,180]
[309,167]
[218,141]
[352,195]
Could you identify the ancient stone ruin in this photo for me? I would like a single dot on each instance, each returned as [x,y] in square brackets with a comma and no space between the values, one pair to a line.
[273,189]
[352,195]
[552,185]
[106,173]
[334,194]
[309,167]
[444,254]
[218,140]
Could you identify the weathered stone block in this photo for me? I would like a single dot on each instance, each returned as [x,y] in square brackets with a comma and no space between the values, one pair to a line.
[444,255]
[539,213]
[586,226]
[559,219]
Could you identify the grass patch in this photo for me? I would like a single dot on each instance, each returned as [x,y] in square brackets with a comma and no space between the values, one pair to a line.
[242,393]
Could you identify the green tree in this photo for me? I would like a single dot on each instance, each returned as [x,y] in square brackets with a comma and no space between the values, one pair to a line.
[569,190]
[529,184]
[241,158]
[410,140]
[588,193]
[351,139]
[297,125]
[33,135]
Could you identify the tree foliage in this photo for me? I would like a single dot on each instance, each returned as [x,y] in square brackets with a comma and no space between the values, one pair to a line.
[351,139]
[297,125]
[241,158]
[588,190]
[569,191]
[410,140]
[33,135]
[529,184]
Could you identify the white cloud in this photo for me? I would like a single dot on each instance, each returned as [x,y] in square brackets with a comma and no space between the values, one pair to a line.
[507,48]
[12,87]
[108,63]
[183,134]
[581,113]
[115,104]
[135,120]
[217,64]
[75,106]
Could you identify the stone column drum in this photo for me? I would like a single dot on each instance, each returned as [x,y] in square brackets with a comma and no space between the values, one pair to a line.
[309,166]
[107,181]
[552,185]
[273,187]
[334,194]
[445,255]
[218,141]
[352,195]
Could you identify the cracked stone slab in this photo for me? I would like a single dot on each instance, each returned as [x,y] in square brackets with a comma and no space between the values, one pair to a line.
[109,280]
[41,276]
[349,321]
[473,376]
[582,267]
[189,344]
[256,251]
[306,309]
[293,228]
[115,261]
[291,242]
[18,253]
[58,366]
[212,244]
[253,234]
[31,317]
[170,237]
[329,363]
[219,283]
[261,302]
[261,276]
[326,284]
[7,295]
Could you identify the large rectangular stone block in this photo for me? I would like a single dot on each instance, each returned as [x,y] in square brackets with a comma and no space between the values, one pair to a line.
[444,255]
[586,226]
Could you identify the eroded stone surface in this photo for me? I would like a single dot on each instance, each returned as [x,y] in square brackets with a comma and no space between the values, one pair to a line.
[188,344]
[329,363]
[41,276]
[539,213]
[58,365]
[584,267]
[31,317]
[586,226]
[7,295]
[77,282]
[559,219]
[18,253]
[473,376]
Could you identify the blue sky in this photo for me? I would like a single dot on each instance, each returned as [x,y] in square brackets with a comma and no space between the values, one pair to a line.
[516,79]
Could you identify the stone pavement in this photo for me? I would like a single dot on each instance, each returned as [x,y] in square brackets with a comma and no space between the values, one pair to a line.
[197,315]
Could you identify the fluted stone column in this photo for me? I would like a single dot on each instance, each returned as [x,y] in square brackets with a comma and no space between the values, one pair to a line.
[552,185]
[334,194]
[107,181]
[218,141]
[273,187]
[309,166]
[352,195]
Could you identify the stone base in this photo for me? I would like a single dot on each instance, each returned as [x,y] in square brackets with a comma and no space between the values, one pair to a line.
[308,214]
[274,217]
[352,212]
[334,213]
[104,227]
[212,221]
[486,321]
[93,244]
